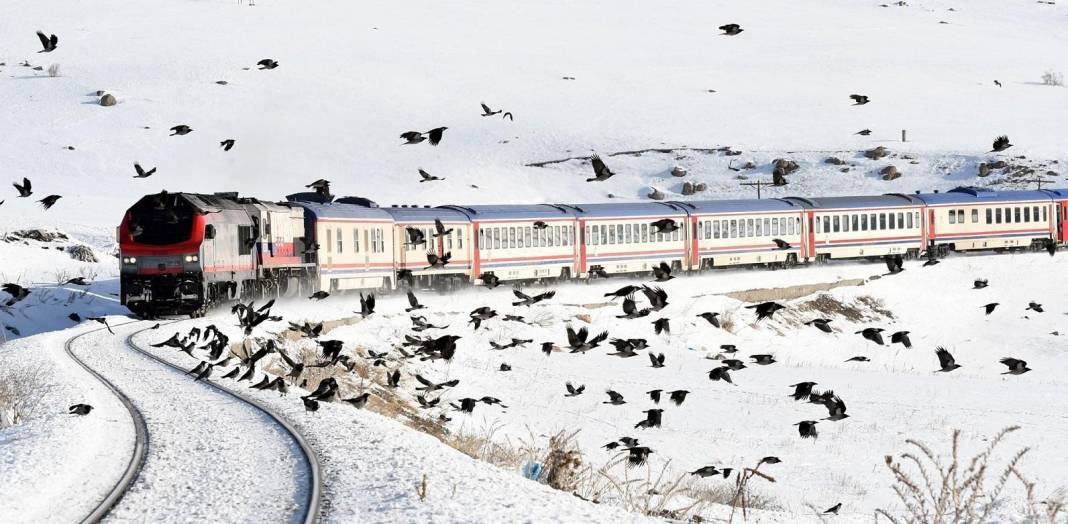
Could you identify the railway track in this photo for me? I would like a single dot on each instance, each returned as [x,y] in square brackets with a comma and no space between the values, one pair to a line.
[308,463]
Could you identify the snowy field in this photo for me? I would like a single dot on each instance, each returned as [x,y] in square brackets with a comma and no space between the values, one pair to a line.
[579,77]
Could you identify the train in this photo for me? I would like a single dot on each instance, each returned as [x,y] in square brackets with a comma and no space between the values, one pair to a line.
[183,253]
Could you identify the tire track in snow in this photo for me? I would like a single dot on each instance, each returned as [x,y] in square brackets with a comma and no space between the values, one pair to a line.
[282,476]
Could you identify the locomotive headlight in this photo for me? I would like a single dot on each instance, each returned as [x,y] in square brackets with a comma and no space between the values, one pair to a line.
[129,260]
[192,258]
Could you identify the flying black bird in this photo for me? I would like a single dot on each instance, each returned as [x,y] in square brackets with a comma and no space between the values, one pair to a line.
[638,455]
[598,272]
[624,291]
[467,405]
[49,43]
[267,63]
[414,302]
[807,429]
[141,173]
[711,471]
[822,324]
[1035,306]
[859,99]
[427,177]
[990,307]
[319,295]
[901,337]
[766,309]
[662,325]
[527,300]
[662,273]
[859,358]
[393,378]
[731,29]
[763,360]
[997,83]
[181,129]
[480,314]
[437,262]
[657,297]
[578,342]
[1001,143]
[864,132]
[712,318]
[103,321]
[770,460]
[657,360]
[678,396]
[895,264]
[487,112]
[439,229]
[49,201]
[654,418]
[412,137]
[538,224]
[733,364]
[429,386]
[573,391]
[367,305]
[945,360]
[80,409]
[227,144]
[415,236]
[980,283]
[665,226]
[802,390]
[721,373]
[781,244]
[834,509]
[16,291]
[872,334]
[505,367]
[509,116]
[1015,365]
[26,189]
[836,408]
[654,395]
[321,186]
[600,170]
[614,398]
[434,135]
[490,280]
[548,348]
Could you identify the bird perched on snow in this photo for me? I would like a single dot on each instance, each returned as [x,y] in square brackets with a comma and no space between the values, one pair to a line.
[980,283]
[859,99]
[26,189]
[731,29]
[181,129]
[310,404]
[807,429]
[1001,143]
[358,401]
[101,320]
[901,337]
[227,144]
[573,391]
[712,318]
[864,132]
[490,280]
[267,63]
[989,308]
[895,264]
[662,272]
[1015,365]
[945,360]
[859,358]
[141,173]
[766,309]
[600,170]
[802,390]
[487,112]
[834,509]
[319,295]
[80,409]
[49,43]
[822,324]
[49,201]
[427,177]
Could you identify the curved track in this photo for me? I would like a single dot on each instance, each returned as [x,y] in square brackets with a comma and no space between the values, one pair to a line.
[309,510]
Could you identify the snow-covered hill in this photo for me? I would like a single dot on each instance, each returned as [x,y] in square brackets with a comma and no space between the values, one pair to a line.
[352,77]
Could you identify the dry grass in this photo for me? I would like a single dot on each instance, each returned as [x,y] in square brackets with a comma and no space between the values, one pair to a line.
[1052,78]
[790,292]
[22,386]
[940,490]
[53,70]
[865,308]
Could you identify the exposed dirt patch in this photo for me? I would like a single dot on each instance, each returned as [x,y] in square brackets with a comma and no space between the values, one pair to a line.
[791,292]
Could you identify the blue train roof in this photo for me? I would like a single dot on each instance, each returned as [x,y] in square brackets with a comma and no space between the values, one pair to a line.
[424,214]
[341,210]
[517,212]
[979,195]
[629,209]
[1057,193]
[741,206]
[858,202]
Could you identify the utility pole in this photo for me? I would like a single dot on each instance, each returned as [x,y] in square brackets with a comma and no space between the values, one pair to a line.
[1038,181]
[759,184]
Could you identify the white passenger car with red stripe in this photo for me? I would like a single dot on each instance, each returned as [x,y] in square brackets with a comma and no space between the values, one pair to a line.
[973,218]
[733,232]
[863,226]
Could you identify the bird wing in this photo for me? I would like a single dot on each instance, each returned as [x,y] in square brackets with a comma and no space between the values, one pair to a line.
[439,227]
[546,296]
[412,299]
[572,337]
[629,306]
[485,108]
[520,295]
[424,174]
[44,39]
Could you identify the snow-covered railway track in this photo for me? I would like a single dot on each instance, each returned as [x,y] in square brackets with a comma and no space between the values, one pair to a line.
[202,451]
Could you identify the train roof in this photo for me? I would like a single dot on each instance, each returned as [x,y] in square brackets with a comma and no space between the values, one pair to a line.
[516,212]
[979,195]
[342,210]
[742,205]
[1056,193]
[858,202]
[629,209]
[415,213]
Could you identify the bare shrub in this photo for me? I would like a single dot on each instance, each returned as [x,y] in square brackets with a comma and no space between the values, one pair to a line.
[53,70]
[934,489]
[22,386]
[1052,78]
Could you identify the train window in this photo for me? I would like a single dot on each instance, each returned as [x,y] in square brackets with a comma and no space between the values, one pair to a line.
[734,228]
[554,236]
[952,217]
[595,239]
[482,239]
[749,229]
[845,223]
[901,221]
[619,233]
[1008,215]
[644,233]
[448,240]
[759,227]
[611,234]
[700,230]
[496,237]
[1026,214]
[1044,215]
[893,223]
[527,236]
[882,221]
[997,215]
[1016,215]
[775,227]
[329,239]
[569,234]
[715,229]
[340,243]
[459,238]
[989,216]
[513,242]
[604,234]
[355,240]
[855,219]
[864,222]
[837,224]
[975,216]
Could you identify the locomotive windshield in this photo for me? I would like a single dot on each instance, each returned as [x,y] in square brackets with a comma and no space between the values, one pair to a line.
[161,220]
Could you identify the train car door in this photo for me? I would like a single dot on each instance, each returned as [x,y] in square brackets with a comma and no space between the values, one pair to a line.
[808,242]
[580,247]
[695,257]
